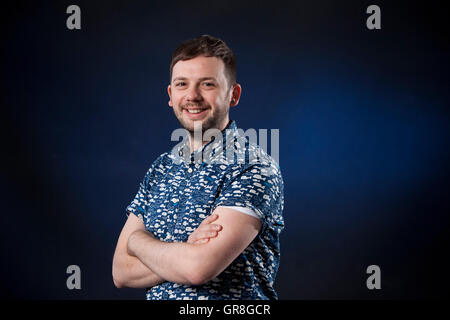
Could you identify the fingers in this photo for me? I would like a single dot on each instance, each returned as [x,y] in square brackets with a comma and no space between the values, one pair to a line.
[209,228]
[209,219]
[205,232]
[206,235]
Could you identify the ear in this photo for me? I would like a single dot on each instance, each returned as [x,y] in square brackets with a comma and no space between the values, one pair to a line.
[235,95]
[169,91]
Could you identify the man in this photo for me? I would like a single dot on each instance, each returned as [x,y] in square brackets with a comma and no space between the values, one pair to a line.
[169,243]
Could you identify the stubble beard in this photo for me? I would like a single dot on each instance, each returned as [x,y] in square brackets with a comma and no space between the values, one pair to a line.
[211,122]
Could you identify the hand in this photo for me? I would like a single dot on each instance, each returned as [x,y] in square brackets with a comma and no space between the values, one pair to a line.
[205,231]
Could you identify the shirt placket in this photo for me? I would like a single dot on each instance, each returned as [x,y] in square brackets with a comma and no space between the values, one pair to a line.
[179,208]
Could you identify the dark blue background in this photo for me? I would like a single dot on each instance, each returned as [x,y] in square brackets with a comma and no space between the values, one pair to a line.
[364,137]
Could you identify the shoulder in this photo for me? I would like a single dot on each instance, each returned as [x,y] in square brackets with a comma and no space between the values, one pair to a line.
[158,166]
[249,160]
[162,161]
[263,164]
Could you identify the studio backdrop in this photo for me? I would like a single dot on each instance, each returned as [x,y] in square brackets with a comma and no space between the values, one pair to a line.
[360,99]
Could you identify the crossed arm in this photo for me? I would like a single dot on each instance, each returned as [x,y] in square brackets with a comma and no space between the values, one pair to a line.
[142,261]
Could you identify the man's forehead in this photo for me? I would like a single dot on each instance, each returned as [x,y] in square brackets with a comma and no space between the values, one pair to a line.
[199,67]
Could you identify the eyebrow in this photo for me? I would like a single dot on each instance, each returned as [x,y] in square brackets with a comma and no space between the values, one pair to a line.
[200,79]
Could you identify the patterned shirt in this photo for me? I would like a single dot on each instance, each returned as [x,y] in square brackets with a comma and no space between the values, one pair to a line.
[181,189]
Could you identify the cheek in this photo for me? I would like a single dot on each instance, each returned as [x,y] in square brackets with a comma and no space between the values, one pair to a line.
[176,100]
[216,99]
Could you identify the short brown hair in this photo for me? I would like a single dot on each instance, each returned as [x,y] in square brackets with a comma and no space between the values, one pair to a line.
[207,46]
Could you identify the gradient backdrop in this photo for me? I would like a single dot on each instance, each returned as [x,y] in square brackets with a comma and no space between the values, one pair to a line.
[364,137]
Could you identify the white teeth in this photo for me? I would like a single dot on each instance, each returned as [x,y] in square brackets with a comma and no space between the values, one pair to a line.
[195,111]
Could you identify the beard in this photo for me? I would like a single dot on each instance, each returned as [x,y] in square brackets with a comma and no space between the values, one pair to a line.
[210,121]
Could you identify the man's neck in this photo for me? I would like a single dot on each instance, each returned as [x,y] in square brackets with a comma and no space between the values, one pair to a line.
[197,142]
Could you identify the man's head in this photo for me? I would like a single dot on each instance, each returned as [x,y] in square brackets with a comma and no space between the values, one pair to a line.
[203,83]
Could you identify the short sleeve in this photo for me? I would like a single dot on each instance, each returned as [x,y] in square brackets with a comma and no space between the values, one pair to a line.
[259,187]
[140,202]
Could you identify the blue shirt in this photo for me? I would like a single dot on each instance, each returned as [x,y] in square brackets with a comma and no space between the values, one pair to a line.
[179,191]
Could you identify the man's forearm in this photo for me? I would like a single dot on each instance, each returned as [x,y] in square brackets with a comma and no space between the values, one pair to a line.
[130,272]
[175,261]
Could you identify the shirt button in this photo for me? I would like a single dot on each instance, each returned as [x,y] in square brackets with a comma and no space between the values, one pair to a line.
[190,170]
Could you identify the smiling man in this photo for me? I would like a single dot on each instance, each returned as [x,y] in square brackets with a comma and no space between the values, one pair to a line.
[209,229]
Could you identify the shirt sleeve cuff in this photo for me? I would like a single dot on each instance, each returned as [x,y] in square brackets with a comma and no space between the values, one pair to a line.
[245,210]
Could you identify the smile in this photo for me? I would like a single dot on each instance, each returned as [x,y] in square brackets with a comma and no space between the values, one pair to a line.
[195,113]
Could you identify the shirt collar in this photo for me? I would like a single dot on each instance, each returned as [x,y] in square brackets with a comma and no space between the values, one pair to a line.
[213,150]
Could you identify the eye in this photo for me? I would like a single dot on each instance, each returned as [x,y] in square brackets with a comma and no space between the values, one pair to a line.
[209,84]
[179,84]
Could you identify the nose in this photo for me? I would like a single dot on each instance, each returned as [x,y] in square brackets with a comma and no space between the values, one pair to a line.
[193,94]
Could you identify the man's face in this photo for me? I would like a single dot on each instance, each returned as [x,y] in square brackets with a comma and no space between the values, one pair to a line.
[199,91]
